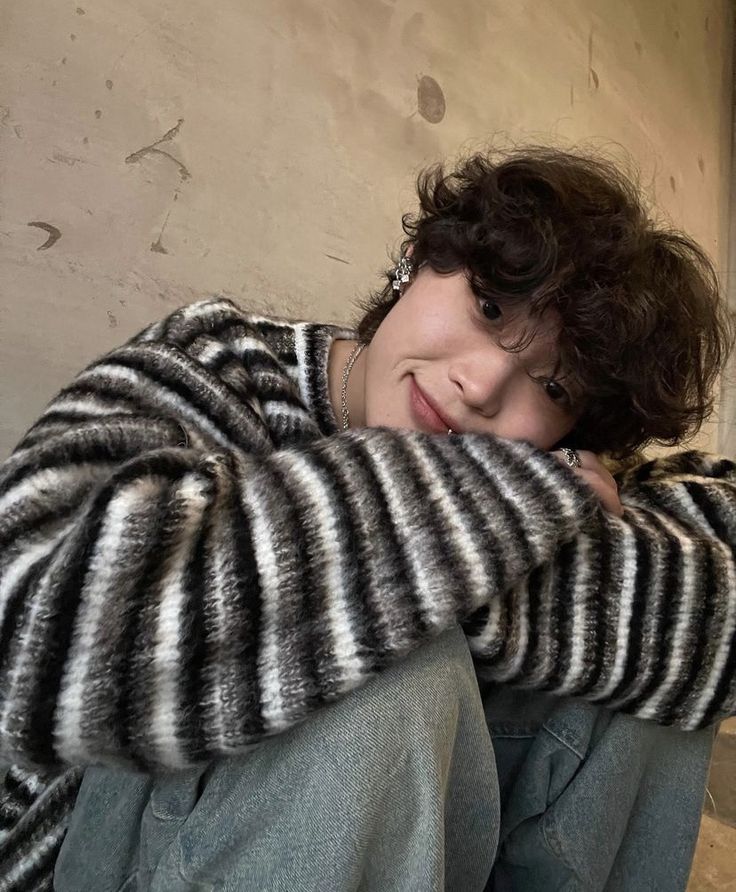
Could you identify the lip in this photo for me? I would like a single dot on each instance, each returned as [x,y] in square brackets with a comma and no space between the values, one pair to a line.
[426,414]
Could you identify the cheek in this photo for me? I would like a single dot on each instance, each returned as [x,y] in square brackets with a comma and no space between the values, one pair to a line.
[533,419]
[390,336]
[419,326]
[554,431]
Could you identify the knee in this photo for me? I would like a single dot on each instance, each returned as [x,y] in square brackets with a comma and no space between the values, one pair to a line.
[430,688]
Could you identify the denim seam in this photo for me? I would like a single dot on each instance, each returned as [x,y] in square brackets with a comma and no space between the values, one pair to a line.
[550,834]
[521,735]
[209,887]
[567,745]
[554,844]
[125,886]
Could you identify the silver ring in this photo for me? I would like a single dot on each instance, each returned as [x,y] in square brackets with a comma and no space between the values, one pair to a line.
[571,457]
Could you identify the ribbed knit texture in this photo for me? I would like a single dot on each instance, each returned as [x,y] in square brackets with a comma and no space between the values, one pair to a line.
[193,558]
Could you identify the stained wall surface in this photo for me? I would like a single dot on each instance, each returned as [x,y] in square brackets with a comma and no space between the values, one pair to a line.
[155,152]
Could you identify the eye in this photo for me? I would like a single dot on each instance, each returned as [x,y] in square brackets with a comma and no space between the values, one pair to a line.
[554,390]
[489,308]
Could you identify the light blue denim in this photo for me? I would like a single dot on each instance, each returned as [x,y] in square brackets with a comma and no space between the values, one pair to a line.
[591,799]
[400,787]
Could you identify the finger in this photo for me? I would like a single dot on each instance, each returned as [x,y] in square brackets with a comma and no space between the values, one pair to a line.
[606,492]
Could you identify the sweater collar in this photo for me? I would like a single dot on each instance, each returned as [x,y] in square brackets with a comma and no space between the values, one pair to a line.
[313,342]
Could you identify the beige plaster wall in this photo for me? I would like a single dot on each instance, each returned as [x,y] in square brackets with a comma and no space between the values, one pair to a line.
[265,149]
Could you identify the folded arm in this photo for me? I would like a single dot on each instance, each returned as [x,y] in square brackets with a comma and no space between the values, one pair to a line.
[173,588]
[640,615]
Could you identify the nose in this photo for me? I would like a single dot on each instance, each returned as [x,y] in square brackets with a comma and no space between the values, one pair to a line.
[482,379]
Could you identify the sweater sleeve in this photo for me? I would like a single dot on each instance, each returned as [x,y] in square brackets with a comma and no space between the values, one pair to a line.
[639,615]
[173,588]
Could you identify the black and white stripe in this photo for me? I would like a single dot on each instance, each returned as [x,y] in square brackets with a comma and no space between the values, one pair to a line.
[192,557]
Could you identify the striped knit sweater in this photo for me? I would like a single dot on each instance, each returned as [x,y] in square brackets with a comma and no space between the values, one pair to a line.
[193,558]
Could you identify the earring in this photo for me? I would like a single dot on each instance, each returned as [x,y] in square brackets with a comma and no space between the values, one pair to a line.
[402,274]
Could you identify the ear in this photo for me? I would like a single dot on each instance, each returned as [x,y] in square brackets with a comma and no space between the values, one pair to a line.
[410,250]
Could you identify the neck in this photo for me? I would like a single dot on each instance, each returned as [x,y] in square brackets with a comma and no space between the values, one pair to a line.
[339,354]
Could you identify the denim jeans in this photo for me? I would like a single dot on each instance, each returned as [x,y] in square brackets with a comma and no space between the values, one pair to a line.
[591,799]
[401,787]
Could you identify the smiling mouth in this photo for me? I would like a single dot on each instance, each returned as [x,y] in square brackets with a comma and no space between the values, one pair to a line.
[424,413]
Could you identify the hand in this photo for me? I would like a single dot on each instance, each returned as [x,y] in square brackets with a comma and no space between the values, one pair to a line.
[598,479]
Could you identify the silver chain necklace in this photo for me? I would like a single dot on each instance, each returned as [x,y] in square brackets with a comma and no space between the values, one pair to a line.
[354,354]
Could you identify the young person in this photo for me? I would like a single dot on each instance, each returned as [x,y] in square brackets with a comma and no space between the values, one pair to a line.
[232,521]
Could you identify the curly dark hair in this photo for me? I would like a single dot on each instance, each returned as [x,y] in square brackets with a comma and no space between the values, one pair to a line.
[644,331]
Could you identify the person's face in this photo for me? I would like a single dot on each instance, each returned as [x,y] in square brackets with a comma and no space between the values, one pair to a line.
[435,363]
